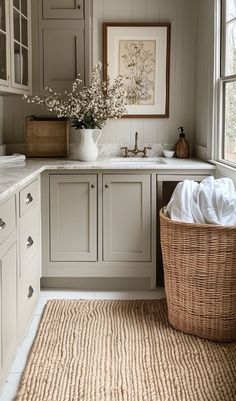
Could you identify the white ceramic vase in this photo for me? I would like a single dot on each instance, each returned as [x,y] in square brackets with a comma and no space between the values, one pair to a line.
[88,150]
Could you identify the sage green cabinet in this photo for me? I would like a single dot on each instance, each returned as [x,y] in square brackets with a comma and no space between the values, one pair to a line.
[126,218]
[73,217]
[63,9]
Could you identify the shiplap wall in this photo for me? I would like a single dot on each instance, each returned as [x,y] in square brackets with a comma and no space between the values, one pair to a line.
[182,15]
[205,71]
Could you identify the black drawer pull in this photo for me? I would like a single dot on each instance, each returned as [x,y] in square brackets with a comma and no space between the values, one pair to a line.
[29,198]
[30,292]
[2,224]
[30,242]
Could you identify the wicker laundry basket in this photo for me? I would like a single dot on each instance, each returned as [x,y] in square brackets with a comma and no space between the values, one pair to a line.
[200,278]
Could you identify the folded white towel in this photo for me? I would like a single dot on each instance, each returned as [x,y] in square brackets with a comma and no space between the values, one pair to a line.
[15,158]
[212,201]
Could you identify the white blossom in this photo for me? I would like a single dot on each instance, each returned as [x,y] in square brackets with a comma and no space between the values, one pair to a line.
[88,107]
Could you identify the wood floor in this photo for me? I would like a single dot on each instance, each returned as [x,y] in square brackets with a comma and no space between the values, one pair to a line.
[9,390]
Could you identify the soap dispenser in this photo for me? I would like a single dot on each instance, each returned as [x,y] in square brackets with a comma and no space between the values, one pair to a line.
[182,146]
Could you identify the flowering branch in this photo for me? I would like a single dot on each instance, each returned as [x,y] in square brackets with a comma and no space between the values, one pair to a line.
[89,107]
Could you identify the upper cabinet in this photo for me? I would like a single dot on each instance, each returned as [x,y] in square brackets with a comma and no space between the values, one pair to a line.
[15,46]
[63,9]
[4,44]
[62,37]
[21,44]
[63,43]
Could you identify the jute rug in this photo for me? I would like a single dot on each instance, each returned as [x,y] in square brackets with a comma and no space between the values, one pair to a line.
[123,351]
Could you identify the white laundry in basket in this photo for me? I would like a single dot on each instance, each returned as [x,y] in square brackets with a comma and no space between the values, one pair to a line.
[211,201]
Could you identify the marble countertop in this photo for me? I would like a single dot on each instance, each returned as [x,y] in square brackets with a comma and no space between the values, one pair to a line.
[15,175]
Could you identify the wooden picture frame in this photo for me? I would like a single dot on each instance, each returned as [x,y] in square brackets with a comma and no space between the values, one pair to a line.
[140,52]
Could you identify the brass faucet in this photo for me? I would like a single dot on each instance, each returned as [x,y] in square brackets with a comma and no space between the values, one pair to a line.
[136,150]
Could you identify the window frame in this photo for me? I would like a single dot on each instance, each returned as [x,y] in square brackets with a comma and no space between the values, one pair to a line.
[221,80]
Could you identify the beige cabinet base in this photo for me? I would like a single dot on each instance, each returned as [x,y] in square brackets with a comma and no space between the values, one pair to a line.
[97,283]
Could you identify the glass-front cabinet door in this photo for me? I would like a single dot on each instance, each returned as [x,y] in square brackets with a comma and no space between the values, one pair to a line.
[4,43]
[21,44]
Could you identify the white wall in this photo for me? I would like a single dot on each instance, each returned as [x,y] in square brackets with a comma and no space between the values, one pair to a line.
[205,71]
[182,15]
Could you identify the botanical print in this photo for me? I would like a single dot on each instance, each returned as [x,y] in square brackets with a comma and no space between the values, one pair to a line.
[137,63]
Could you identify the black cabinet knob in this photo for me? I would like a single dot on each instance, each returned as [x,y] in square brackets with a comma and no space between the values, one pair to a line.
[30,242]
[30,292]
[29,199]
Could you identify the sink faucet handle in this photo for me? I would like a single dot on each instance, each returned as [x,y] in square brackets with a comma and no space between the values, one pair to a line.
[146,148]
[125,148]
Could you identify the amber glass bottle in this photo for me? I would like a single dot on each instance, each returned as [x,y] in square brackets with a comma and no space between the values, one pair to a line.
[182,146]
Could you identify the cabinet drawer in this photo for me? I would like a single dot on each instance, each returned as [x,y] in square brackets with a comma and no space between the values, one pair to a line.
[7,218]
[63,9]
[29,197]
[29,287]
[29,237]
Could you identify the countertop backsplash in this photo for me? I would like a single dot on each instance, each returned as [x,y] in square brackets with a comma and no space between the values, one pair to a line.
[113,150]
[105,149]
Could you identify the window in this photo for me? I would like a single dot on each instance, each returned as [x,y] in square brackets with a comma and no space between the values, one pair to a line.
[227,145]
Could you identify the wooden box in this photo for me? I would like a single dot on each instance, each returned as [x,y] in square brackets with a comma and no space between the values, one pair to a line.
[46,137]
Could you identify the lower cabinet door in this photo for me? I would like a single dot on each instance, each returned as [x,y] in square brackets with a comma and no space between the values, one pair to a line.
[9,303]
[73,217]
[126,218]
[29,237]
[28,292]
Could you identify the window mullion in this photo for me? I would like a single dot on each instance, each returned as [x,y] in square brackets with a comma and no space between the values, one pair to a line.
[230,21]
[228,78]
[225,93]
[223,39]
[221,120]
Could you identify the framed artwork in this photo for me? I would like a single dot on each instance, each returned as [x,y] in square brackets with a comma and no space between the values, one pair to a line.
[140,53]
